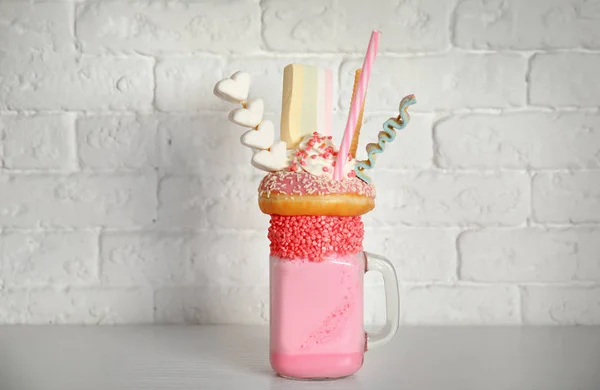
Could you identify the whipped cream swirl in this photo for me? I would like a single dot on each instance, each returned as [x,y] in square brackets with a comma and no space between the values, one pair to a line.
[317,154]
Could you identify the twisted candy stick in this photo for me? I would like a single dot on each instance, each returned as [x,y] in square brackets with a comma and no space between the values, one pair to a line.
[387,135]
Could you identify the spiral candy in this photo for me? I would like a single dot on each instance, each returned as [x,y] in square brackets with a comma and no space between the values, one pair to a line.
[387,135]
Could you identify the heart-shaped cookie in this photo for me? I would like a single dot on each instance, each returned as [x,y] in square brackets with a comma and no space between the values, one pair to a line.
[261,138]
[234,89]
[271,160]
[250,116]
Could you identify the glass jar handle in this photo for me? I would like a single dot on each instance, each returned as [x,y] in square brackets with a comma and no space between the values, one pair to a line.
[392,300]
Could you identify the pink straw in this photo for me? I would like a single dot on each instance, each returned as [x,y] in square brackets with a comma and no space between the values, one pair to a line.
[361,90]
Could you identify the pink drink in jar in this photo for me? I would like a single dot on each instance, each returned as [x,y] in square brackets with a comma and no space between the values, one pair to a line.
[317,266]
[316,195]
[317,304]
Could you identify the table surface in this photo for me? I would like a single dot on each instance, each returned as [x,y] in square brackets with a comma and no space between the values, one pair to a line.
[236,357]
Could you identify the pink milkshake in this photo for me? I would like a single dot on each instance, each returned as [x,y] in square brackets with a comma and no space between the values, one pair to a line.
[316,194]
[317,316]
[317,265]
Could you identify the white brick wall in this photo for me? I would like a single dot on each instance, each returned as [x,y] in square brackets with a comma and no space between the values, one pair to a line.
[123,187]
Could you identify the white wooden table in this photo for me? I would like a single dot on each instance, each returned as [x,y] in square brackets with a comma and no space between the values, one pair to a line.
[236,357]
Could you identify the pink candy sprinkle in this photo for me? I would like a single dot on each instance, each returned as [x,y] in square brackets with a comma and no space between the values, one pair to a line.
[314,237]
[325,169]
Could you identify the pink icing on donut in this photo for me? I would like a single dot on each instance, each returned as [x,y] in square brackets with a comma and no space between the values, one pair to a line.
[303,183]
[314,237]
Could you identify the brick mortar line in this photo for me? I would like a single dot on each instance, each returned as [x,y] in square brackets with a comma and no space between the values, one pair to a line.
[458,253]
[98,255]
[445,114]
[527,52]
[103,230]
[34,112]
[99,230]
[112,288]
[73,27]
[486,170]
[530,204]
[263,42]
[347,55]
[400,227]
[436,158]
[521,303]
[75,147]
[151,170]
[66,173]
[157,150]
[562,226]
[416,170]
[520,290]
[489,171]
[69,287]
[174,173]
[452,23]
[154,85]
[528,72]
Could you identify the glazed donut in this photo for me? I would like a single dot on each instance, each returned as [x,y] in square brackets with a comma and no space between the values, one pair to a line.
[301,193]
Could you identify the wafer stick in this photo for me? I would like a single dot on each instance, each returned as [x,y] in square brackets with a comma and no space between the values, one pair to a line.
[354,144]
